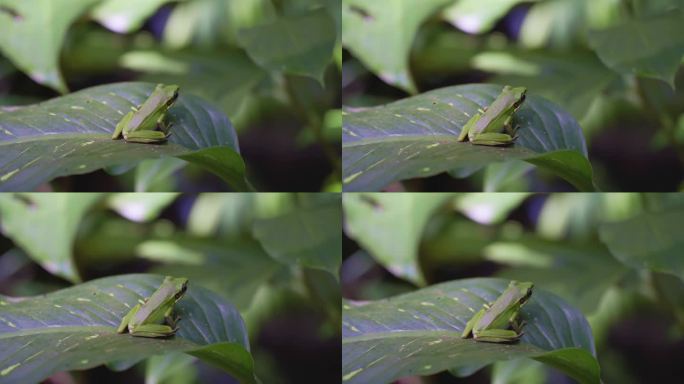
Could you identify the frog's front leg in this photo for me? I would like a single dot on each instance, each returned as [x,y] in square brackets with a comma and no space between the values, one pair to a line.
[471,323]
[509,128]
[121,125]
[163,125]
[153,330]
[127,319]
[468,127]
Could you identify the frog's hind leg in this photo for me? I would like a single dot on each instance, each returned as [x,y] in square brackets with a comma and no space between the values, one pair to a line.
[497,139]
[497,336]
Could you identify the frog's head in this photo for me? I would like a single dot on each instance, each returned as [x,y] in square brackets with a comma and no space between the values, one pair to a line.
[519,94]
[171,92]
[182,287]
[525,289]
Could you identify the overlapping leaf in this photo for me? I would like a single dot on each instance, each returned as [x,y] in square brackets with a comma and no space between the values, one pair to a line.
[420,334]
[75,329]
[72,135]
[416,137]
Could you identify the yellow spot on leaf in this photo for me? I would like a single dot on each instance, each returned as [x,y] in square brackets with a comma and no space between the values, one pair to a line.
[351,374]
[432,145]
[9,369]
[82,299]
[7,175]
[351,177]
[427,304]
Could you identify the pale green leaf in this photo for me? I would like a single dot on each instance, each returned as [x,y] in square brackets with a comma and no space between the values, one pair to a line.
[30,221]
[32,33]
[380,34]
[390,226]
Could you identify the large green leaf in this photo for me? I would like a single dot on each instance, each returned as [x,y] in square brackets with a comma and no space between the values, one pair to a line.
[390,226]
[30,221]
[380,34]
[226,77]
[419,333]
[579,272]
[417,137]
[651,46]
[234,269]
[650,240]
[32,33]
[72,135]
[310,235]
[300,45]
[75,328]
[546,73]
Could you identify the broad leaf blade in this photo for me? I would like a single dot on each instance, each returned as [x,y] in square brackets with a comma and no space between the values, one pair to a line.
[420,333]
[417,137]
[75,329]
[72,135]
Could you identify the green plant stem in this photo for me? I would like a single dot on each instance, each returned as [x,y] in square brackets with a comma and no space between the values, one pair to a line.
[314,122]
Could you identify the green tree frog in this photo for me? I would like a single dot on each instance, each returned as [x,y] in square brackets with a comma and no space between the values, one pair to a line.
[484,128]
[141,126]
[147,320]
[491,323]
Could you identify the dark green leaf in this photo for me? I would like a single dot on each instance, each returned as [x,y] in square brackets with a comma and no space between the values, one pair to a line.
[300,45]
[650,47]
[310,235]
[72,135]
[419,333]
[650,240]
[75,328]
[417,137]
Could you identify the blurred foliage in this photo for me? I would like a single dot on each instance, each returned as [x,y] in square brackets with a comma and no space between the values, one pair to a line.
[275,257]
[614,256]
[615,65]
[272,66]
